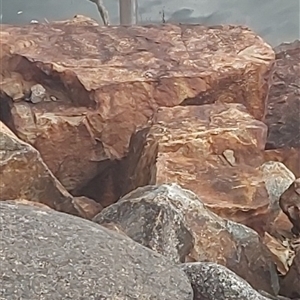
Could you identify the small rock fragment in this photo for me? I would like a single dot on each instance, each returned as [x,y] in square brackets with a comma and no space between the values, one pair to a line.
[229,155]
[38,93]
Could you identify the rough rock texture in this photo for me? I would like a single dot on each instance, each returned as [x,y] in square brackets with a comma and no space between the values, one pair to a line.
[27,202]
[277,178]
[217,240]
[290,157]
[50,255]
[154,223]
[211,281]
[281,226]
[102,84]
[290,204]
[24,175]
[216,151]
[284,99]
[290,286]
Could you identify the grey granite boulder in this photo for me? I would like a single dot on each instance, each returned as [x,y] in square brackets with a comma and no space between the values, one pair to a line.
[154,223]
[51,255]
[211,281]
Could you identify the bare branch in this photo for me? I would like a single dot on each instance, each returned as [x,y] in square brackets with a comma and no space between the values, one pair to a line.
[102,10]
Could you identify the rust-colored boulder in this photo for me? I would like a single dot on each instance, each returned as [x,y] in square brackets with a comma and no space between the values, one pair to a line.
[290,205]
[24,175]
[216,151]
[283,114]
[99,85]
[233,245]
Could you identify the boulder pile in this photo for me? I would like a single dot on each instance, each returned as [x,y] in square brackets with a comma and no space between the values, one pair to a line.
[148,162]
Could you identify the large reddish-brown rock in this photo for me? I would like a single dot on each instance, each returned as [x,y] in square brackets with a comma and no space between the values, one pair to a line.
[89,88]
[283,114]
[143,216]
[25,177]
[216,151]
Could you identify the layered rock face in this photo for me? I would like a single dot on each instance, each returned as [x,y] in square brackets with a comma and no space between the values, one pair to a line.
[283,110]
[24,175]
[216,151]
[88,89]
[184,134]
[283,101]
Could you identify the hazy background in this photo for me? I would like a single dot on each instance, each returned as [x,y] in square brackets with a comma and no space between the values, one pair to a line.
[276,21]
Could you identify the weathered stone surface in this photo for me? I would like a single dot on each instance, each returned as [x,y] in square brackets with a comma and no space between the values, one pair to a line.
[86,207]
[153,222]
[27,202]
[277,178]
[214,150]
[24,175]
[290,157]
[290,204]
[217,240]
[211,281]
[284,99]
[290,286]
[281,227]
[282,253]
[50,255]
[105,83]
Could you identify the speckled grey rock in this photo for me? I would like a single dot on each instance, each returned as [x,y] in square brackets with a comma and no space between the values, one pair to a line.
[50,255]
[153,223]
[211,281]
[217,240]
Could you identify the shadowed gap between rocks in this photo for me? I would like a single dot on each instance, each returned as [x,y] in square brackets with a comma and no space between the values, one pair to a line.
[116,178]
[64,86]
[5,112]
